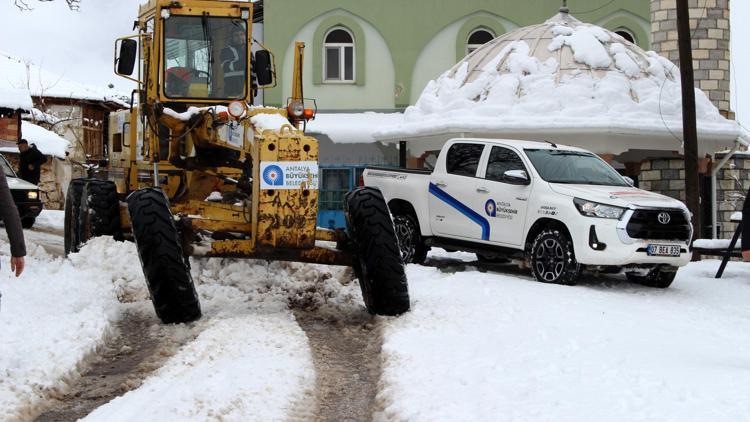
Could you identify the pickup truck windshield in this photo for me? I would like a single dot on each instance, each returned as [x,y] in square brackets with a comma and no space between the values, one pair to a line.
[6,168]
[573,167]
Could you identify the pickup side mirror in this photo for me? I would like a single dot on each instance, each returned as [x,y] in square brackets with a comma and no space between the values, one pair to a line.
[264,65]
[126,59]
[629,181]
[516,177]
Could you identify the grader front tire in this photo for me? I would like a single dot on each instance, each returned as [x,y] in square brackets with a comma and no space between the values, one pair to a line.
[159,248]
[377,263]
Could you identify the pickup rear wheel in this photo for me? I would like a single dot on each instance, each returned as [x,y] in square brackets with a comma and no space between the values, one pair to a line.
[377,260]
[413,249]
[160,251]
[552,259]
[658,277]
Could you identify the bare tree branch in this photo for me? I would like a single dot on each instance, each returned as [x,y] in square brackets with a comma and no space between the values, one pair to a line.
[24,5]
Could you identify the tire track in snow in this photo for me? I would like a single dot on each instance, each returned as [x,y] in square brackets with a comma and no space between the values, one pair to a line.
[142,346]
[346,353]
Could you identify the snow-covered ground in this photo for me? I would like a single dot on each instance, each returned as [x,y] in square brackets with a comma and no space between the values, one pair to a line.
[488,346]
[477,345]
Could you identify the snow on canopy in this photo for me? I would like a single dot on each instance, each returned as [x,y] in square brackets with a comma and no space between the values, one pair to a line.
[48,142]
[559,75]
[14,98]
[30,79]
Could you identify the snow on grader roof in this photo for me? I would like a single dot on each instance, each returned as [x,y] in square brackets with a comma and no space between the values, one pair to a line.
[36,81]
[562,75]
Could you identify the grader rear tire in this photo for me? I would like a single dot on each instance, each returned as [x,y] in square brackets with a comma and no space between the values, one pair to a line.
[72,235]
[99,213]
[159,248]
[377,263]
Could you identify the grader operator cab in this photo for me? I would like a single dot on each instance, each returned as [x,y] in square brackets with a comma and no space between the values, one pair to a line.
[195,169]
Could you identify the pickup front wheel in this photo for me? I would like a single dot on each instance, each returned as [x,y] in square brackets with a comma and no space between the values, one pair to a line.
[552,259]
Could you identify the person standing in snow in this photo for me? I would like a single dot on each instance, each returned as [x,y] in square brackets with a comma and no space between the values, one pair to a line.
[746,228]
[30,162]
[9,215]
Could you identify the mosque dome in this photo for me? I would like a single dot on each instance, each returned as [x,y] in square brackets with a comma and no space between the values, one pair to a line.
[561,76]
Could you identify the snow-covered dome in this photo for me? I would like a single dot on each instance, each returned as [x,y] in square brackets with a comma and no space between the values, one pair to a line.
[562,77]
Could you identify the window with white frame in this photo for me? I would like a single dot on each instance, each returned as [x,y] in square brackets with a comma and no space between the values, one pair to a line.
[477,38]
[338,55]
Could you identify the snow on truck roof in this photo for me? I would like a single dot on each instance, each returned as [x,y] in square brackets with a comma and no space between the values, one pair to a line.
[561,76]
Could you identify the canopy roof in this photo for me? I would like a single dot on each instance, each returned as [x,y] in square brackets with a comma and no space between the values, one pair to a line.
[564,81]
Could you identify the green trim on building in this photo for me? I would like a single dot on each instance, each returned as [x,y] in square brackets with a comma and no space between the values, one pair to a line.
[476,22]
[629,21]
[359,47]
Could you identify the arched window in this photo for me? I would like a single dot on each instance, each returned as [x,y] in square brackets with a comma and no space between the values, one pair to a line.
[626,34]
[477,38]
[338,55]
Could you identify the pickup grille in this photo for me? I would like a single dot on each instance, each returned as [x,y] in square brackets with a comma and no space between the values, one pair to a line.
[644,224]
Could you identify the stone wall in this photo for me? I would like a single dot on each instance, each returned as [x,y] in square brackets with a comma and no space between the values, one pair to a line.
[51,181]
[667,176]
[710,41]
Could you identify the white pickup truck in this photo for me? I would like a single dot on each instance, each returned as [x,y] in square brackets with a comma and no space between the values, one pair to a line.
[559,209]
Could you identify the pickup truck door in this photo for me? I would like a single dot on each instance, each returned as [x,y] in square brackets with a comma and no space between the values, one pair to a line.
[504,199]
[451,194]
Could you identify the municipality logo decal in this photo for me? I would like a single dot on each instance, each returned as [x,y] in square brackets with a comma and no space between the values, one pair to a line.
[490,208]
[273,175]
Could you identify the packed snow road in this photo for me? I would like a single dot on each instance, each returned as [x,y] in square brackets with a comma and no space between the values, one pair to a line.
[280,341]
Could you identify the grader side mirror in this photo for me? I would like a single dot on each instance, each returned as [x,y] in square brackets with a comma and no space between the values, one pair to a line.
[264,67]
[126,60]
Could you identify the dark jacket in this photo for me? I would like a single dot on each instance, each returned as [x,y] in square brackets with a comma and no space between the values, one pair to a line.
[30,164]
[746,223]
[9,215]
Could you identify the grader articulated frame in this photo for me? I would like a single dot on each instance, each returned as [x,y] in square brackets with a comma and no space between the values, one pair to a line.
[194,169]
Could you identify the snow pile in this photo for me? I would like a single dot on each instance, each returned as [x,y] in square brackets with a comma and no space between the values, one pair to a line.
[269,121]
[262,365]
[562,74]
[50,220]
[51,318]
[488,346]
[352,127]
[39,82]
[715,243]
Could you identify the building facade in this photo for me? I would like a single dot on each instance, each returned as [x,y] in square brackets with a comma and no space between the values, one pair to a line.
[379,56]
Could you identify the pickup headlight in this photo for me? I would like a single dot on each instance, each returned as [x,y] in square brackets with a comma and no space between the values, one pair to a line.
[595,209]
[32,194]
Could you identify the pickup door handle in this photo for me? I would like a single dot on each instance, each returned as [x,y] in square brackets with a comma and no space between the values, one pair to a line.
[483,190]
[521,198]
[441,184]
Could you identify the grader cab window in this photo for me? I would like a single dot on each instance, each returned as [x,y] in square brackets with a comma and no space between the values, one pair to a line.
[205,58]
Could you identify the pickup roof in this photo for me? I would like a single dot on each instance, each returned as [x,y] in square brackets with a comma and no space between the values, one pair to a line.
[560,209]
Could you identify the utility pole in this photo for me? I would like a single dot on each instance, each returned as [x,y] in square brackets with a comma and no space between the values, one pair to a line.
[690,131]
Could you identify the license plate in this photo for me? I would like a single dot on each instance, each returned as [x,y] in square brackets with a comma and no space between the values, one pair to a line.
[663,250]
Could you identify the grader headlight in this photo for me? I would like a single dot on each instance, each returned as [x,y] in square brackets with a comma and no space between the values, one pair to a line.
[237,109]
[296,109]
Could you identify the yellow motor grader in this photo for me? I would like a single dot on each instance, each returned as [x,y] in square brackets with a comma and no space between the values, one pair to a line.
[195,169]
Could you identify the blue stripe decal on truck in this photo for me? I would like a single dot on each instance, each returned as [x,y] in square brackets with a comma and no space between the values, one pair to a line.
[463,209]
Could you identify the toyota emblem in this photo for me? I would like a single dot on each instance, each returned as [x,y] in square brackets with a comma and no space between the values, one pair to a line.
[664,217]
